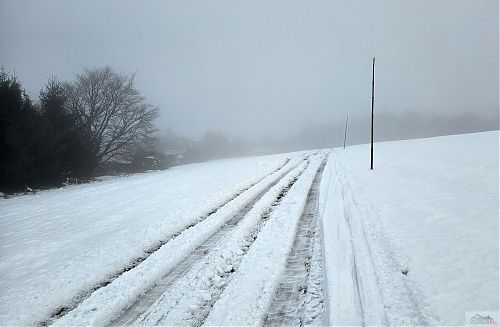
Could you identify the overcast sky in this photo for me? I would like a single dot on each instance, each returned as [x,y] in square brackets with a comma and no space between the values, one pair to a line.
[266,67]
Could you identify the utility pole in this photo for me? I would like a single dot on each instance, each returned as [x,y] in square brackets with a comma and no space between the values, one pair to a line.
[340,135]
[345,130]
[373,100]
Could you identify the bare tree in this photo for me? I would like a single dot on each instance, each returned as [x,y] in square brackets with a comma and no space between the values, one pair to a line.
[112,111]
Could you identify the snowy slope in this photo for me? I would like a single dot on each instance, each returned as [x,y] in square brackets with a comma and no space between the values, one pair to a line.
[60,242]
[284,239]
[430,208]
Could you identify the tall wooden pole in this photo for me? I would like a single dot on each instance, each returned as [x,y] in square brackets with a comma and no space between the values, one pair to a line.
[340,136]
[345,130]
[373,100]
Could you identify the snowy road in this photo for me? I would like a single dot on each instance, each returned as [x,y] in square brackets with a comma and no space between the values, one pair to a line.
[199,258]
[180,281]
[299,297]
[175,253]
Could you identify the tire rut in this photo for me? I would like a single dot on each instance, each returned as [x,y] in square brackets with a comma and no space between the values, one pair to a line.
[162,285]
[198,316]
[299,297]
[80,297]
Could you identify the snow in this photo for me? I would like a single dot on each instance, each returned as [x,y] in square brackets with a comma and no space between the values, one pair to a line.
[430,207]
[245,300]
[104,304]
[413,242]
[59,243]
[192,296]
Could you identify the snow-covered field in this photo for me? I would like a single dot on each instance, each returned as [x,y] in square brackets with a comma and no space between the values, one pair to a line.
[58,243]
[413,242]
[432,206]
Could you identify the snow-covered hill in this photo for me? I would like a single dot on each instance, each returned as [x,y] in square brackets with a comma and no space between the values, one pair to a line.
[414,241]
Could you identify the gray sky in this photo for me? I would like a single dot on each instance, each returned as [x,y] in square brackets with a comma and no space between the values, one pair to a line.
[266,67]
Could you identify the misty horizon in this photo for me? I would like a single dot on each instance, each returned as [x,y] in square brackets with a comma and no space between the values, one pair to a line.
[270,69]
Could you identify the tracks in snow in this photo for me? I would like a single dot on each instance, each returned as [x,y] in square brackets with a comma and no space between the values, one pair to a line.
[162,286]
[299,298]
[93,308]
[196,275]
[85,294]
[371,287]
[190,299]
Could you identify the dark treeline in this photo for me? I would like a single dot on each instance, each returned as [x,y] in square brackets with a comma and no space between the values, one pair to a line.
[101,124]
[76,129]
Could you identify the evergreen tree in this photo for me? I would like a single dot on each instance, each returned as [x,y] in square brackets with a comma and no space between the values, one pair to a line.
[26,138]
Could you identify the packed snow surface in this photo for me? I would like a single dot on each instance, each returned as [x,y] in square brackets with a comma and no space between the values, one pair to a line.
[258,275]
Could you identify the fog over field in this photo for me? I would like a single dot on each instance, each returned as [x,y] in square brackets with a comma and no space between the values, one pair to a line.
[249,162]
[282,71]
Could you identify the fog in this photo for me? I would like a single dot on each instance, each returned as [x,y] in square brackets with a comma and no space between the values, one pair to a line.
[280,72]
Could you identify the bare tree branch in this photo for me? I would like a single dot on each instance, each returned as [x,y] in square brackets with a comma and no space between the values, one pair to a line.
[113,112]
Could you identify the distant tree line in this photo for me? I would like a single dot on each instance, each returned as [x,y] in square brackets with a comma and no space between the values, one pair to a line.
[76,130]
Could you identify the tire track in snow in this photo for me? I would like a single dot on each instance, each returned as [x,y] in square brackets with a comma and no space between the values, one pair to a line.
[83,295]
[147,300]
[190,299]
[383,292]
[299,298]
[246,299]
[368,308]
